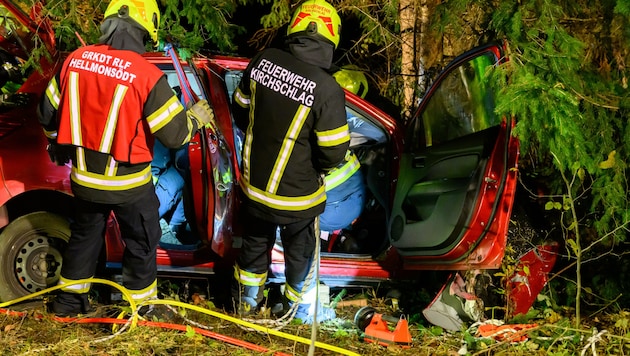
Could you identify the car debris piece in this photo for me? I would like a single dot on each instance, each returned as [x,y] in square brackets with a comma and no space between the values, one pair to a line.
[454,305]
[529,277]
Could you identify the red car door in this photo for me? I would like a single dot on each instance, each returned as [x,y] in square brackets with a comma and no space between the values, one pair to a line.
[456,183]
[214,158]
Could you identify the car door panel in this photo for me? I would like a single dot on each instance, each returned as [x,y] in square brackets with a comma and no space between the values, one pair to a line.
[443,175]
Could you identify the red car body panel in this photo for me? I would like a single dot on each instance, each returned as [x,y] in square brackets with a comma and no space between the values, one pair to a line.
[30,182]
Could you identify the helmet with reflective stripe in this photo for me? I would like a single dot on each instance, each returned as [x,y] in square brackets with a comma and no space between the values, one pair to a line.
[351,78]
[316,18]
[144,12]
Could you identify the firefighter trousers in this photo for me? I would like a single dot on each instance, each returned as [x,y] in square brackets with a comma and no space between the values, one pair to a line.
[139,225]
[298,242]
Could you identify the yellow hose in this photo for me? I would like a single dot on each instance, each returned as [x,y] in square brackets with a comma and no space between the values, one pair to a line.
[247,324]
[124,291]
[226,317]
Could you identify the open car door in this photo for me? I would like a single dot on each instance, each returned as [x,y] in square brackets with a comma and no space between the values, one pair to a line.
[212,176]
[456,182]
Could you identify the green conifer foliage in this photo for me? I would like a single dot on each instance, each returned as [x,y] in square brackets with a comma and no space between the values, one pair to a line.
[566,82]
[191,24]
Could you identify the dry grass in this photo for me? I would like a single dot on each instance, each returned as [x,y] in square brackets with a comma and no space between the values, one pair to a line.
[38,332]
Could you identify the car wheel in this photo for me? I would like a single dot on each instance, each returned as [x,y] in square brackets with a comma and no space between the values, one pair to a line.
[31,250]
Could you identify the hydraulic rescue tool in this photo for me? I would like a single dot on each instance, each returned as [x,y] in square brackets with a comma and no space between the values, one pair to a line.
[376,328]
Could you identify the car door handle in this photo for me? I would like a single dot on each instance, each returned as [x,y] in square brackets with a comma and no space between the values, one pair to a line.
[419,162]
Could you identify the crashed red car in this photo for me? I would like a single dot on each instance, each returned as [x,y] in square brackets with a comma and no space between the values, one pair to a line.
[441,187]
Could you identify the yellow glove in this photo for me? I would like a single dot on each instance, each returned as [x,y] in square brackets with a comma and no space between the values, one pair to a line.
[202,113]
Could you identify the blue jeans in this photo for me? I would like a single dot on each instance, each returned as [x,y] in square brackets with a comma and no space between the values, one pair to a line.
[344,204]
[169,192]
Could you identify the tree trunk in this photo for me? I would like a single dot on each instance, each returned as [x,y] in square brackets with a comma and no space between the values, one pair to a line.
[408,53]
[420,49]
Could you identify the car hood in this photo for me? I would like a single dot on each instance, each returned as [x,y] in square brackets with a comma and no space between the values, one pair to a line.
[19,28]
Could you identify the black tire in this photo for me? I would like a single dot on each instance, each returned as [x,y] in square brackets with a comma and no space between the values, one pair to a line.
[363,317]
[31,250]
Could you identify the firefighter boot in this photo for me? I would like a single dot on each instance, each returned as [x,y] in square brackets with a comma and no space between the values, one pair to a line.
[71,304]
[246,299]
[305,310]
[306,313]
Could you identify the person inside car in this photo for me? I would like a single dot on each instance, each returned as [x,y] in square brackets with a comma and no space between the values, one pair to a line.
[293,114]
[170,169]
[110,141]
[345,184]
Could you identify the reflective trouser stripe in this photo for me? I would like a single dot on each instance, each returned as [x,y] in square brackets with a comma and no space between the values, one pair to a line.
[291,294]
[294,296]
[74,288]
[249,278]
[141,295]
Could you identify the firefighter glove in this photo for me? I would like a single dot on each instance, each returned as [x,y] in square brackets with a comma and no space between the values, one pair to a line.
[58,154]
[202,113]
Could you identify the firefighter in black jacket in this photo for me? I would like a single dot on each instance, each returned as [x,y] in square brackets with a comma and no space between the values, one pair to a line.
[295,131]
[105,106]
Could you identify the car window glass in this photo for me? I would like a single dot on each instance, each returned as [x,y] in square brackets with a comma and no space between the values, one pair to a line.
[173,81]
[232,78]
[462,104]
[362,130]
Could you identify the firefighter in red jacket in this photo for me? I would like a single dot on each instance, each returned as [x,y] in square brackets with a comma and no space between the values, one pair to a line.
[293,116]
[104,108]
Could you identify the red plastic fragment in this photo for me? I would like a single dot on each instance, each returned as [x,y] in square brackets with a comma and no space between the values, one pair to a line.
[530,277]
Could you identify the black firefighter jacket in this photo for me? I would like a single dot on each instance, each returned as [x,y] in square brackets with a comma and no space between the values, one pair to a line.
[295,130]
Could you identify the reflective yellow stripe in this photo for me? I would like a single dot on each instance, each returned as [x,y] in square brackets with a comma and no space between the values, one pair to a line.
[280,202]
[291,294]
[287,147]
[51,134]
[112,167]
[334,137]
[52,92]
[241,99]
[74,288]
[81,165]
[249,278]
[340,175]
[247,146]
[105,182]
[141,295]
[75,108]
[164,114]
[112,119]
[294,296]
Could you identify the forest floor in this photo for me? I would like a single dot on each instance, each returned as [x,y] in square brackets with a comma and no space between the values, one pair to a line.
[204,329]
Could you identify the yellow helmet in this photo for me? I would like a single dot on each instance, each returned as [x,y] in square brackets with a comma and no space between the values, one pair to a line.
[144,12]
[351,78]
[316,18]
